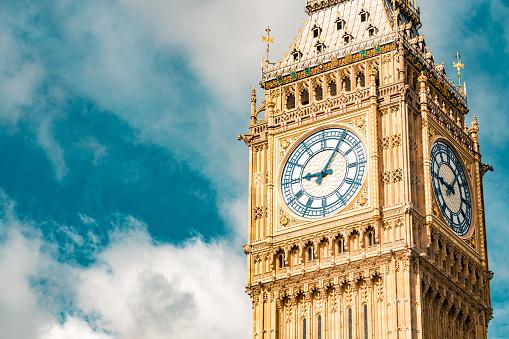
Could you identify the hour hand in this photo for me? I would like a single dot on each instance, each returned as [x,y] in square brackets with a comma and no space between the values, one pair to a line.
[309,176]
[323,174]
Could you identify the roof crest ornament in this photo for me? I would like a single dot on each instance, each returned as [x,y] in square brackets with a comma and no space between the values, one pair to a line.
[459,66]
[268,40]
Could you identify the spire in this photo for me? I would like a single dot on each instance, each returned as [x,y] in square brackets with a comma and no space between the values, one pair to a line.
[474,129]
[253,94]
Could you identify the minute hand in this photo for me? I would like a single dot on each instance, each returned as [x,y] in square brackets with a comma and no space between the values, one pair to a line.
[451,187]
[324,171]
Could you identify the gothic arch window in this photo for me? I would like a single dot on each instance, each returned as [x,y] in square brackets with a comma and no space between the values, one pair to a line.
[319,327]
[304,97]
[366,332]
[320,47]
[304,328]
[333,90]
[281,261]
[372,30]
[340,24]
[311,253]
[318,93]
[290,101]
[371,237]
[296,54]
[347,38]
[361,80]
[316,31]
[341,246]
[364,15]
[350,324]
[347,84]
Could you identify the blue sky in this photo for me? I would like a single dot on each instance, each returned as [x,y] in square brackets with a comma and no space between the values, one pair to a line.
[123,190]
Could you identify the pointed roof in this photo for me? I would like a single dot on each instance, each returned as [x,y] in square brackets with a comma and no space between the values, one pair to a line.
[324,17]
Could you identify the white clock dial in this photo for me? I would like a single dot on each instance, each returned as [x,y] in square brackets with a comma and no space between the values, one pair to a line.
[323,173]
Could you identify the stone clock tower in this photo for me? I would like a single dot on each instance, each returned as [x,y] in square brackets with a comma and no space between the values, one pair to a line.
[366,211]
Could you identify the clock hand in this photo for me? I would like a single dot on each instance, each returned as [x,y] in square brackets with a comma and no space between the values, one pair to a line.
[334,153]
[322,175]
[451,187]
[442,180]
[309,176]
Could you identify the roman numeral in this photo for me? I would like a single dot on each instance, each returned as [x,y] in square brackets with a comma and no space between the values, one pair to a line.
[299,194]
[310,202]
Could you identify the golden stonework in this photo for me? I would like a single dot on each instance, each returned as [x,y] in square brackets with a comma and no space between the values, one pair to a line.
[312,271]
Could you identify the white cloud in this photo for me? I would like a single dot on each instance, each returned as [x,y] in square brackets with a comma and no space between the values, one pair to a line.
[135,288]
[20,74]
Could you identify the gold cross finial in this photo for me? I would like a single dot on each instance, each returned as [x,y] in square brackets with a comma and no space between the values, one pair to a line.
[268,40]
[459,66]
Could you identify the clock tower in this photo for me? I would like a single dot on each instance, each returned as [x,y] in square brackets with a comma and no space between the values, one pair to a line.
[366,210]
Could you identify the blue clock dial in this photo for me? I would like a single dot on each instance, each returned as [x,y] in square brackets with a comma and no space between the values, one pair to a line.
[323,173]
[451,188]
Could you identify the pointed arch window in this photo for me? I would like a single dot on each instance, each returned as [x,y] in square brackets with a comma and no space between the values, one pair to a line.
[347,38]
[320,47]
[372,30]
[347,84]
[340,24]
[311,253]
[319,327]
[333,90]
[350,324]
[304,97]
[364,15]
[341,246]
[316,31]
[366,332]
[296,54]
[290,101]
[318,93]
[304,328]
[371,238]
[281,261]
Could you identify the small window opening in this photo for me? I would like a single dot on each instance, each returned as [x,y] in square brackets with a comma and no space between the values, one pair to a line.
[371,238]
[364,15]
[341,246]
[319,327]
[304,328]
[319,47]
[347,39]
[304,97]
[371,31]
[340,24]
[296,55]
[316,31]
[350,324]
[318,93]
[333,89]
[290,101]
[361,80]
[281,261]
[311,254]
[366,332]
[347,84]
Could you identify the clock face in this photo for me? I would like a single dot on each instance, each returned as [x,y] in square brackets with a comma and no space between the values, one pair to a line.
[451,188]
[323,173]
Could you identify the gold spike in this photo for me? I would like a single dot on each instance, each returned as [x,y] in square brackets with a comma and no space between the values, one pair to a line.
[459,66]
